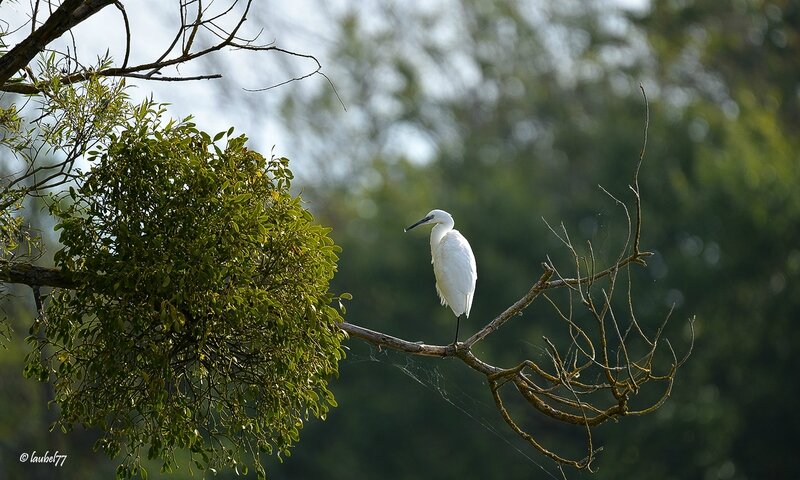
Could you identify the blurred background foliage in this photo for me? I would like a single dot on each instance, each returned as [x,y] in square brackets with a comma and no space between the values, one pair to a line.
[506,112]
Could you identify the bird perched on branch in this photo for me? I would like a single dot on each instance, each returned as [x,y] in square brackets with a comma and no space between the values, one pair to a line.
[453,264]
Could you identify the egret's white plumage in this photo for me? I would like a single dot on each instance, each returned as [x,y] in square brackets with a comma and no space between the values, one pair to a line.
[453,263]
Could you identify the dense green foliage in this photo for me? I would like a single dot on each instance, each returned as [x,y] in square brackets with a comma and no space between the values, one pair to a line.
[202,317]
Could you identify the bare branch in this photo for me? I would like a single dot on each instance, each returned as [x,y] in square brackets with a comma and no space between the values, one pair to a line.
[66,16]
[558,393]
[72,12]
[514,309]
[384,340]
[32,275]
[121,8]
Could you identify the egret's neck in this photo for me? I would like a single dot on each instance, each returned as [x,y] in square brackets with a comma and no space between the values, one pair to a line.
[438,231]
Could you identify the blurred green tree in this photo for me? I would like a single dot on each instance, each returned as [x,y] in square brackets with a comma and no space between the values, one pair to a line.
[506,112]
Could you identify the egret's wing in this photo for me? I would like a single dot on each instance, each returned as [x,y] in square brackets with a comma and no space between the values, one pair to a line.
[456,272]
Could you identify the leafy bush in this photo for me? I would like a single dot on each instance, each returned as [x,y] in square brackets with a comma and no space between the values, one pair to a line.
[202,317]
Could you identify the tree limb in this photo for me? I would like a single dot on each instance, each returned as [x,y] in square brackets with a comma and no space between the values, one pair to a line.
[34,275]
[73,12]
[514,309]
[66,16]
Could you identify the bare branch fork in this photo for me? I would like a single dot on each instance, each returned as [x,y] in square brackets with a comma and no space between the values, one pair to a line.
[196,18]
[200,33]
[556,390]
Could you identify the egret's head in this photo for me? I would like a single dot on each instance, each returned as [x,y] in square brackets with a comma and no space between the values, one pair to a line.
[433,217]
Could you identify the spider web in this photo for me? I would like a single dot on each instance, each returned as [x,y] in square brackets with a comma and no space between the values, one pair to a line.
[484,413]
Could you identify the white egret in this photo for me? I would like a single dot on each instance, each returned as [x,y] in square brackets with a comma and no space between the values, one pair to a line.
[453,264]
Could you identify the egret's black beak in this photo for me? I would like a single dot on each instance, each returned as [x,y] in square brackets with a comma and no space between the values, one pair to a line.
[426,219]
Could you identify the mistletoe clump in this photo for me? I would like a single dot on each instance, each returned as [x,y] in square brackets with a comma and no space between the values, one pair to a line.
[202,318]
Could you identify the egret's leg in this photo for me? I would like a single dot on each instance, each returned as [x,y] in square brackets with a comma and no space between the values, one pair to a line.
[458,321]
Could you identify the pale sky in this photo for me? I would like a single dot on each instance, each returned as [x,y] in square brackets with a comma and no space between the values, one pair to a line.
[303,26]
